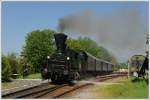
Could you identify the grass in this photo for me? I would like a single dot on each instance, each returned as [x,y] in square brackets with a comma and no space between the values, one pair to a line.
[33,76]
[126,89]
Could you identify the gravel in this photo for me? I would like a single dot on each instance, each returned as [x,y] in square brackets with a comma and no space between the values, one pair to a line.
[20,84]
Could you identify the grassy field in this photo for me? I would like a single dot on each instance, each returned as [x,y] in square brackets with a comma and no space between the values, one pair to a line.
[126,89]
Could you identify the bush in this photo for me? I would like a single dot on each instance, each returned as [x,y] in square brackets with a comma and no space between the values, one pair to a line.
[13,61]
[6,69]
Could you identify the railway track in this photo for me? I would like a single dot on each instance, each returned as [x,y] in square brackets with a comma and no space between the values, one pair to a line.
[58,94]
[44,91]
[107,77]
[64,90]
[67,89]
[48,90]
[29,91]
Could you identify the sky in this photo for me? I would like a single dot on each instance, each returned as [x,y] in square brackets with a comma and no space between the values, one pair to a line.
[122,26]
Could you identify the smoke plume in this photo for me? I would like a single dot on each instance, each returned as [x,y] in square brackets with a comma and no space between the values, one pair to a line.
[123,31]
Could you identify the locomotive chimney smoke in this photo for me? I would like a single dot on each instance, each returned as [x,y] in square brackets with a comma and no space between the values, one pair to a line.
[60,40]
[121,29]
[78,22]
[61,25]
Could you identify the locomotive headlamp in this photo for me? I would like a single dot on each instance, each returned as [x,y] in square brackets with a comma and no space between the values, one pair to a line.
[68,58]
[48,57]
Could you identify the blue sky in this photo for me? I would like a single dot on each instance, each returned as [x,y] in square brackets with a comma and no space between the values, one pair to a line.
[19,18]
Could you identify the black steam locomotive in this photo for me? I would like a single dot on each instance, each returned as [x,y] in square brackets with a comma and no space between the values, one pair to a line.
[66,64]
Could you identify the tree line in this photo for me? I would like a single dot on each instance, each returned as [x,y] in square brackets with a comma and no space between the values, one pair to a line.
[38,45]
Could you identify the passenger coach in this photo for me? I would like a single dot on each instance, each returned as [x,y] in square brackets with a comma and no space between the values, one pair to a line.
[93,64]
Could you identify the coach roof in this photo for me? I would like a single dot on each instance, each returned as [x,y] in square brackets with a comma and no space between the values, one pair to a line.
[89,55]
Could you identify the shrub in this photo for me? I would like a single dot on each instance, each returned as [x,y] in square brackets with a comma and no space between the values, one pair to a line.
[12,59]
[6,69]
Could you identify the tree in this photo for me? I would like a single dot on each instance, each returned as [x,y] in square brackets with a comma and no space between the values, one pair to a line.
[6,69]
[105,54]
[90,46]
[122,66]
[85,44]
[38,45]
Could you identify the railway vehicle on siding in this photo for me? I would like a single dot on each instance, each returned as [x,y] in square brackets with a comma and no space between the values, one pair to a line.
[66,64]
[139,64]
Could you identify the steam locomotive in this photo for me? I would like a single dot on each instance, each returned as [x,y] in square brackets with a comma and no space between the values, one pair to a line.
[66,65]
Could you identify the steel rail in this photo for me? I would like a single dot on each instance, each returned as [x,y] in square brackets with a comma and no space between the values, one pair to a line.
[24,91]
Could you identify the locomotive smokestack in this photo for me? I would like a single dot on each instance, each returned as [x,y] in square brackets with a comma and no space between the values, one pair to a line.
[60,40]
